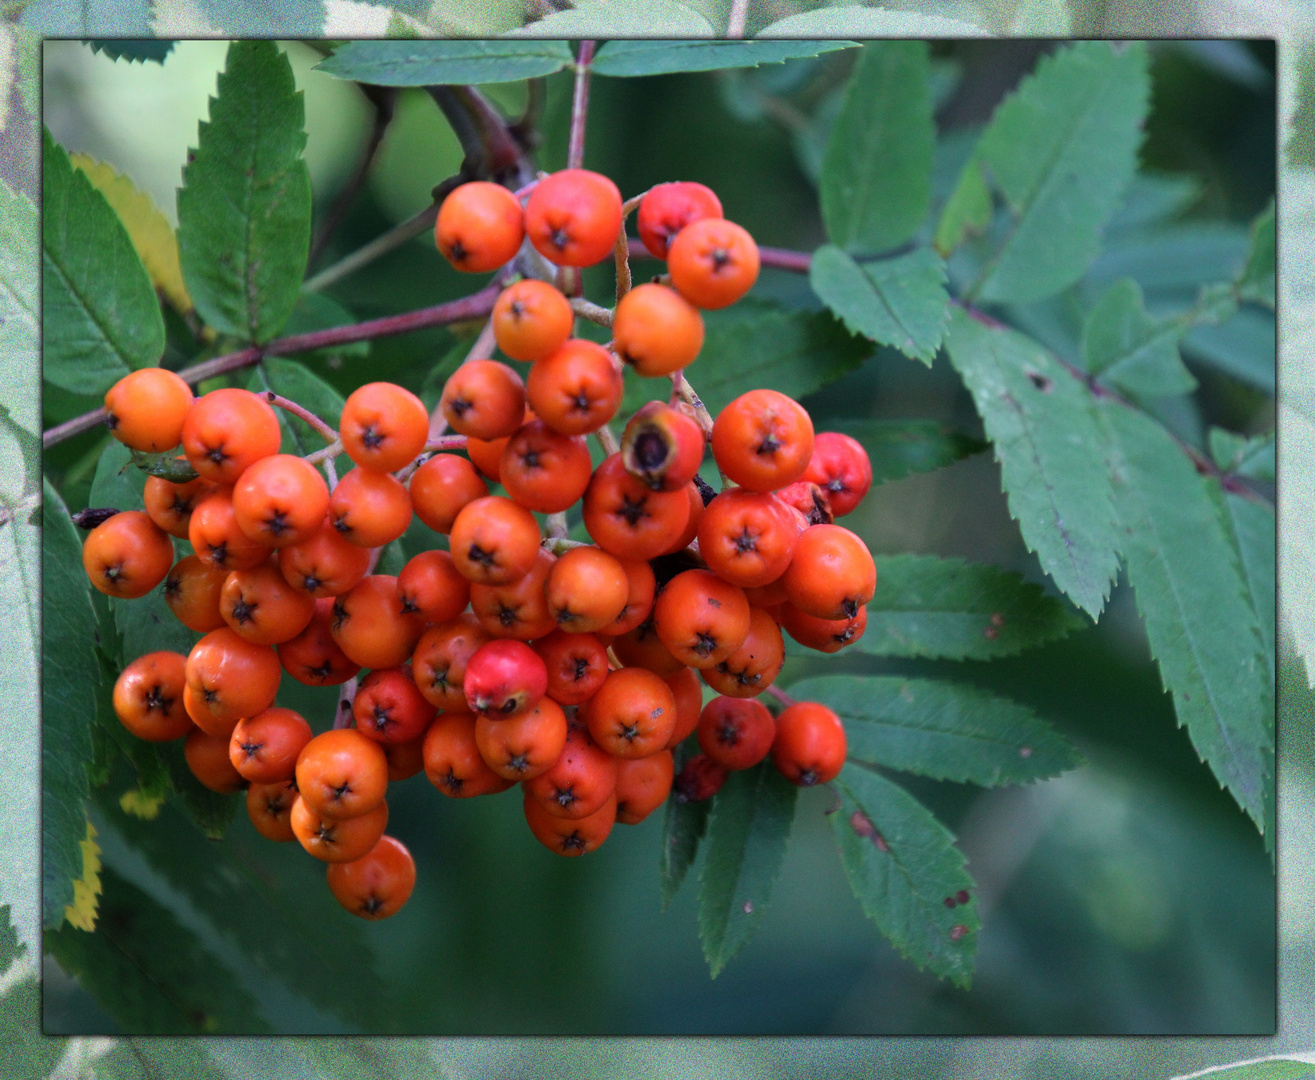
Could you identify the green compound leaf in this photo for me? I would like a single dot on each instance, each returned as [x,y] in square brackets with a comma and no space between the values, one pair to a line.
[244,211]
[1128,350]
[683,826]
[1193,597]
[1048,443]
[944,730]
[747,834]
[68,705]
[865,22]
[150,972]
[431,63]
[876,172]
[946,608]
[630,58]
[967,212]
[906,872]
[1251,528]
[620,18]
[1253,457]
[1061,149]
[899,302]
[100,314]
[900,448]
[20,301]
[1257,280]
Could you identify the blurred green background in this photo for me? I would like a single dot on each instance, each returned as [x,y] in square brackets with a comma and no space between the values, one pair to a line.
[1129,896]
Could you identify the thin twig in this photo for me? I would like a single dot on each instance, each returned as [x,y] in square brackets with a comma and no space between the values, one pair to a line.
[607,440]
[380,245]
[595,313]
[557,529]
[579,106]
[328,434]
[469,307]
[777,258]
[344,718]
[326,455]
[681,387]
[780,695]
[559,545]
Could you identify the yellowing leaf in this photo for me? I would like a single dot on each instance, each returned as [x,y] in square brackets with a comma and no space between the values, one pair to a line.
[82,912]
[150,231]
[140,804]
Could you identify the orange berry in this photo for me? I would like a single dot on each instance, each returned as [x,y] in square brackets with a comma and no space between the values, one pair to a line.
[573,217]
[700,618]
[763,440]
[145,409]
[531,320]
[656,330]
[376,885]
[342,774]
[148,697]
[809,747]
[668,208]
[642,785]
[480,227]
[452,760]
[577,389]
[280,500]
[383,426]
[483,399]
[441,487]
[227,431]
[127,555]
[713,262]
[832,573]
[369,508]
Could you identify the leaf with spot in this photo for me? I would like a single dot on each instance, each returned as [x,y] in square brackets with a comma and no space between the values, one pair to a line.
[1061,149]
[1049,446]
[876,173]
[656,57]
[433,63]
[1193,596]
[69,686]
[941,729]
[900,448]
[907,874]
[747,834]
[927,606]
[899,301]
[244,210]
[100,315]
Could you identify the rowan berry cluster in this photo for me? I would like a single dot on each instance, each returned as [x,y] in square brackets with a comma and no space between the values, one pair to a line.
[511,657]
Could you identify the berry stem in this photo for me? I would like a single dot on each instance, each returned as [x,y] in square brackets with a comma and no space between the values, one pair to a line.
[326,455]
[681,387]
[595,313]
[323,429]
[579,106]
[780,695]
[607,440]
[559,545]
[557,526]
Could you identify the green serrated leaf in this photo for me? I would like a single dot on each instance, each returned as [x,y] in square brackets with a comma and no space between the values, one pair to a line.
[1250,526]
[1048,444]
[19,303]
[1296,495]
[28,1054]
[865,22]
[246,882]
[1244,348]
[946,608]
[1253,457]
[967,212]
[20,703]
[1062,148]
[900,448]
[640,57]
[620,19]
[1193,599]
[899,302]
[431,63]
[876,173]
[747,834]
[100,314]
[150,972]
[683,826]
[88,18]
[1257,280]
[903,867]
[68,704]
[244,210]
[945,730]
[134,51]
[1174,257]
[1129,350]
